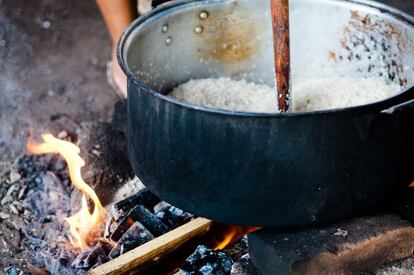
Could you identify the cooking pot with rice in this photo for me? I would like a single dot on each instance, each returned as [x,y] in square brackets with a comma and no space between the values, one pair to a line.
[267,168]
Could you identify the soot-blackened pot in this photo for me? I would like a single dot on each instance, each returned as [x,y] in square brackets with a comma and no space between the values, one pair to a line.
[270,170]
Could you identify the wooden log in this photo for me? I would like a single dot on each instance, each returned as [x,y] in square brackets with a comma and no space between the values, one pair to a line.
[281,45]
[150,252]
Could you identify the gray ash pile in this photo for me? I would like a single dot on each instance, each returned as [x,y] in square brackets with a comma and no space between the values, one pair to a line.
[36,196]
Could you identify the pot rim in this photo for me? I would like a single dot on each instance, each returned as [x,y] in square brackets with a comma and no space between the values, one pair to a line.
[404,95]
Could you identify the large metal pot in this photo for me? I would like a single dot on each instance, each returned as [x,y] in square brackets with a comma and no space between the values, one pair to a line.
[272,170]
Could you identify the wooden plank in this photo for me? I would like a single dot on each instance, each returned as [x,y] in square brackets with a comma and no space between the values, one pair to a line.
[153,250]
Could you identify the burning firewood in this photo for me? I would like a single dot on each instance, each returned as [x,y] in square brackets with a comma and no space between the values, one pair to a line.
[95,256]
[159,248]
[145,217]
[143,197]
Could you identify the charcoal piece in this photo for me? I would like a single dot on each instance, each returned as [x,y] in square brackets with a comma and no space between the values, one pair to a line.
[244,266]
[104,150]
[149,220]
[120,229]
[145,217]
[206,261]
[173,216]
[94,256]
[136,235]
[162,205]
[12,271]
[238,249]
[143,197]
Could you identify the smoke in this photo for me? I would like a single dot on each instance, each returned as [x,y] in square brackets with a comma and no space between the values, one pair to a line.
[50,203]
[15,50]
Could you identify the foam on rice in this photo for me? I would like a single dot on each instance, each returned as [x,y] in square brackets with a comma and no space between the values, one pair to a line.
[308,94]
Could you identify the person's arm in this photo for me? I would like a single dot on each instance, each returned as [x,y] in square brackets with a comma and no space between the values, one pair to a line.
[118,14]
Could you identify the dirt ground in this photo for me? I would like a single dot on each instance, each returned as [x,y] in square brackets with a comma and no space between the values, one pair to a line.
[53,58]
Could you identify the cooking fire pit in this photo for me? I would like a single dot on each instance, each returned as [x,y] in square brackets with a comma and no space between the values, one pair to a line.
[314,190]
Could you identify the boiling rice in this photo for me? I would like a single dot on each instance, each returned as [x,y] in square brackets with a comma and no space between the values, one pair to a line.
[308,94]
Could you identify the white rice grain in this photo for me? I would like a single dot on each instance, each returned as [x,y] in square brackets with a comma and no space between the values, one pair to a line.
[308,94]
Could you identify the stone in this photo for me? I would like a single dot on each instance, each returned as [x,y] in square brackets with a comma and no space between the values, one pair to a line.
[13,209]
[62,134]
[7,199]
[14,176]
[368,243]
[22,192]
[340,232]
[4,216]
[11,189]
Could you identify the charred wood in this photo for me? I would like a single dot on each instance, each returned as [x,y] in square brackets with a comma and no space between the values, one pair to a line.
[143,197]
[136,235]
[145,217]
[97,255]
[173,216]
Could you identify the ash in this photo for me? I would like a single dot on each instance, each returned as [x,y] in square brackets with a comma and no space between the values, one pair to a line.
[36,196]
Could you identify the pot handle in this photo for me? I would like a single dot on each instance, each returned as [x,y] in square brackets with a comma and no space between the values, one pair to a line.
[399,107]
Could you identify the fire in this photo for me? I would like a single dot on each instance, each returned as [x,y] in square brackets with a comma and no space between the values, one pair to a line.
[83,222]
[230,234]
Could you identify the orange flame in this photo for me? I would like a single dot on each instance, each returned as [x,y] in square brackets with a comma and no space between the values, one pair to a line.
[83,222]
[230,234]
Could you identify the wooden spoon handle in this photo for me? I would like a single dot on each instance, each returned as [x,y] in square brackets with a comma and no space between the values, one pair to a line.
[281,45]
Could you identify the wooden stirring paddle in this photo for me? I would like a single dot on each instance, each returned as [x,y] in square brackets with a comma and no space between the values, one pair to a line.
[281,45]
